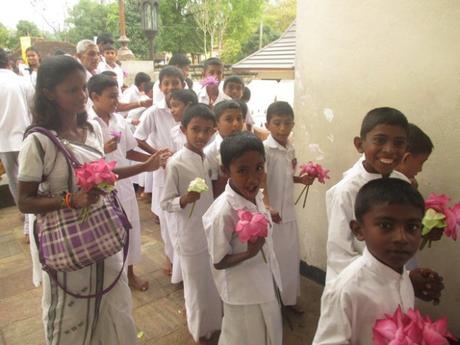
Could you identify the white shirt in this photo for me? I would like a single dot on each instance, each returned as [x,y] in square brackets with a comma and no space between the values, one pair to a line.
[15,96]
[157,122]
[212,151]
[362,293]
[182,168]
[203,97]
[342,246]
[158,95]
[104,66]
[280,167]
[250,281]
[131,95]
[178,137]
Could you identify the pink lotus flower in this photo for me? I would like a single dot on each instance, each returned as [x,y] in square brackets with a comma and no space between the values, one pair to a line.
[410,329]
[210,81]
[314,170]
[251,226]
[96,174]
[440,203]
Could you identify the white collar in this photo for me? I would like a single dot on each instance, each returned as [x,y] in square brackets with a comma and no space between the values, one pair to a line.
[272,143]
[238,202]
[379,269]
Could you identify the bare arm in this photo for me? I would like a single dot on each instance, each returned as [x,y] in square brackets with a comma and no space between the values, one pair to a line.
[146,147]
[152,163]
[133,105]
[137,156]
[231,260]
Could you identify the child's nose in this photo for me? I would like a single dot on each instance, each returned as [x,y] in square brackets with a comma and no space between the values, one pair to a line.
[400,234]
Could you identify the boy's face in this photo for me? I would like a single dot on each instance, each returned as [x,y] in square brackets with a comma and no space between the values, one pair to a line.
[177,109]
[215,71]
[230,122]
[110,56]
[412,164]
[168,84]
[383,147]
[247,173]
[234,90]
[198,132]
[392,233]
[280,127]
[107,101]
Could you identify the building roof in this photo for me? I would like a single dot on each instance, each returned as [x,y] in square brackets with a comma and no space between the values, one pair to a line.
[279,54]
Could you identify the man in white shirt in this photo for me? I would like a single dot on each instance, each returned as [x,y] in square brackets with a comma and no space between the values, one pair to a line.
[15,95]
[88,54]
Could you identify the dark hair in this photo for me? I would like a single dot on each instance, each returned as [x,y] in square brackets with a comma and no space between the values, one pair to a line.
[244,108]
[33,49]
[107,46]
[179,60]
[220,107]
[99,82]
[141,78]
[148,86]
[211,61]
[234,146]
[390,191]
[110,74]
[279,108]
[104,38]
[418,142]
[197,110]
[185,96]
[384,115]
[4,59]
[171,71]
[59,52]
[233,79]
[246,94]
[52,72]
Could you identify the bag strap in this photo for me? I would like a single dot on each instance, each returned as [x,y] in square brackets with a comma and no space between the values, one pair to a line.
[60,146]
[53,273]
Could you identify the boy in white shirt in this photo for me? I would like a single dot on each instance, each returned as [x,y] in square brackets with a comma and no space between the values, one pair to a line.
[234,87]
[135,96]
[389,216]
[119,145]
[157,122]
[183,63]
[180,100]
[279,192]
[383,140]
[229,119]
[245,273]
[210,94]
[109,63]
[202,303]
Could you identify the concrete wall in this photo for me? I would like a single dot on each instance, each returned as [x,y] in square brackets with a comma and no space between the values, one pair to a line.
[356,55]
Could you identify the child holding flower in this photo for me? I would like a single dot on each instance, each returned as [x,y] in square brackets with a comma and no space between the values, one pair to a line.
[187,196]
[119,145]
[279,192]
[388,219]
[245,272]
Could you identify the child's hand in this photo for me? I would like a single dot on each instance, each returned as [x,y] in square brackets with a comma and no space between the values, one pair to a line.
[427,284]
[110,145]
[156,160]
[146,103]
[82,199]
[305,179]
[188,198]
[135,122]
[275,215]
[255,247]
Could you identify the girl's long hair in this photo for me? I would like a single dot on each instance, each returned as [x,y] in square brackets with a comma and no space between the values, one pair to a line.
[52,72]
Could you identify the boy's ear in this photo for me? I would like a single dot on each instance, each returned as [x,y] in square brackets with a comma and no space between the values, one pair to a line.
[406,156]
[266,125]
[358,142]
[183,129]
[225,171]
[357,230]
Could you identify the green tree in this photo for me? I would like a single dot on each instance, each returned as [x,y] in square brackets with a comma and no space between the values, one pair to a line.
[138,44]
[26,28]
[7,38]
[88,18]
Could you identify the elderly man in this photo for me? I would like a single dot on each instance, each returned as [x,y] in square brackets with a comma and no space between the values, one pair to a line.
[88,54]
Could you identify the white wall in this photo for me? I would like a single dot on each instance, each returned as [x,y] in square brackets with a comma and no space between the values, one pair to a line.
[356,55]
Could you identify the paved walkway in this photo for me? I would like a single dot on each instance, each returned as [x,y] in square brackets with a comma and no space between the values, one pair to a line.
[159,312]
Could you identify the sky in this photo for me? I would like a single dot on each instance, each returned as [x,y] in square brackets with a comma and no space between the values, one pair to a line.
[54,11]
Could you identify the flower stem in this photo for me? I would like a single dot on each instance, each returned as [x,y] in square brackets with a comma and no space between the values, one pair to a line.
[300,195]
[191,210]
[306,194]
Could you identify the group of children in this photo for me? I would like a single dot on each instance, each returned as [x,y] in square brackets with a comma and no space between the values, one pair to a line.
[374,212]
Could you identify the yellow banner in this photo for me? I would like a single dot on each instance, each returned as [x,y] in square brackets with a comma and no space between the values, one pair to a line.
[25,43]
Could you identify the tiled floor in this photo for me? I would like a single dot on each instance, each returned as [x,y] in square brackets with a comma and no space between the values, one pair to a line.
[159,312]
